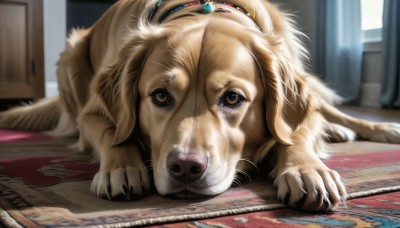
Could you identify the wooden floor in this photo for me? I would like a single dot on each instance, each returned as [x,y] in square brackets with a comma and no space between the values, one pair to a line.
[373,114]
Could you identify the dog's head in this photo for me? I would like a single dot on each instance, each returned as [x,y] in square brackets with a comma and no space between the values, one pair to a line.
[205,98]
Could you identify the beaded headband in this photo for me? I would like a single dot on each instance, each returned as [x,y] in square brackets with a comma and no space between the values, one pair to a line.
[207,6]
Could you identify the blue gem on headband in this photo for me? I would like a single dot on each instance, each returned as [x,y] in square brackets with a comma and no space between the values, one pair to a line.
[208,7]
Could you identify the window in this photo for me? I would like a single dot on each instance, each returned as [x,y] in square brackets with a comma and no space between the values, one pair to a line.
[371,22]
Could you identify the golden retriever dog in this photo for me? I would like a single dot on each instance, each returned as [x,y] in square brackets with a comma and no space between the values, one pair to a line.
[204,91]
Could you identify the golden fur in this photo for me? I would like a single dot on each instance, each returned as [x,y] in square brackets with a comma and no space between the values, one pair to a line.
[226,93]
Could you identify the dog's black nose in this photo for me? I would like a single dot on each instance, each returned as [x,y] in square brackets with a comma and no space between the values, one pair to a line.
[186,167]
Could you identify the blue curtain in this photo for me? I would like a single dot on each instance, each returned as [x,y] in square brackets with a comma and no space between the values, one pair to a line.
[338,55]
[390,91]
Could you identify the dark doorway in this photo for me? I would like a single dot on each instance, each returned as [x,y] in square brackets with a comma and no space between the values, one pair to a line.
[83,13]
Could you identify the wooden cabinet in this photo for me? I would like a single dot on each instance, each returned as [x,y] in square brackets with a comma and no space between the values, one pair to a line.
[21,49]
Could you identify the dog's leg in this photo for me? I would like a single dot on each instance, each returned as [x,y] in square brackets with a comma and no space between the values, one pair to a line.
[302,179]
[377,132]
[122,174]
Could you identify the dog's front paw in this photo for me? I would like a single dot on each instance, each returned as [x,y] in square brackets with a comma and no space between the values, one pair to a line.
[385,133]
[121,184]
[339,133]
[122,175]
[310,189]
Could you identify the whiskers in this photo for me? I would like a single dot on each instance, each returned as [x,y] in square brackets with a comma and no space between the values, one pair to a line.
[242,177]
[251,163]
[239,177]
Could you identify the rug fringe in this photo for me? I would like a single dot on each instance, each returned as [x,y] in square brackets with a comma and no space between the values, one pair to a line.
[377,191]
[197,216]
[7,220]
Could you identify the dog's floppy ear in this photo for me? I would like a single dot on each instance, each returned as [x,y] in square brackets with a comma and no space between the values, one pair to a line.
[117,87]
[286,98]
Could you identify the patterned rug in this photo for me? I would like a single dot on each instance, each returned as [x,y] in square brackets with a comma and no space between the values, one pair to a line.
[45,183]
[381,210]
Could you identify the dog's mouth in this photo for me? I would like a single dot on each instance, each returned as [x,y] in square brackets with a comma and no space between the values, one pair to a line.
[187,194]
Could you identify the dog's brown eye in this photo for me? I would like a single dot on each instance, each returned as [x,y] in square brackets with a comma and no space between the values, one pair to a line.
[232,99]
[162,98]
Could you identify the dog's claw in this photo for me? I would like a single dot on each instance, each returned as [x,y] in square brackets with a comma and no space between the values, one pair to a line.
[301,201]
[286,199]
[113,185]
[311,190]
[125,190]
